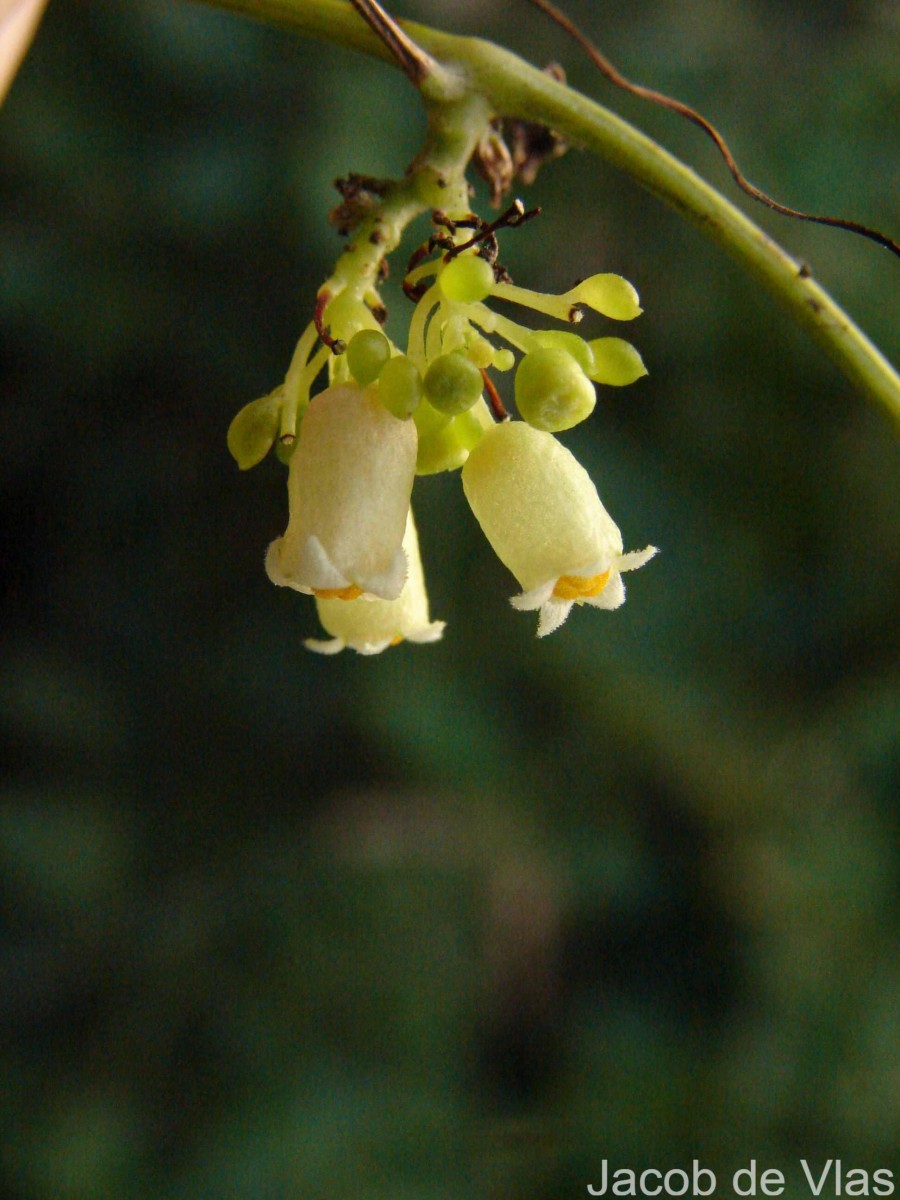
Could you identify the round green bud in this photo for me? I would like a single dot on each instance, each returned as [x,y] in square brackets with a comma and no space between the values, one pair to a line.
[504,360]
[571,342]
[400,386]
[552,391]
[452,383]
[467,278]
[253,430]
[616,362]
[367,352]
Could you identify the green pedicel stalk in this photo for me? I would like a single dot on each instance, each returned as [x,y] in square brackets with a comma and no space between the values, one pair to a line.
[507,85]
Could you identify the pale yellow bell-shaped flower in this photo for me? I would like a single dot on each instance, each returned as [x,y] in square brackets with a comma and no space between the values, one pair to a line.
[541,513]
[348,489]
[370,626]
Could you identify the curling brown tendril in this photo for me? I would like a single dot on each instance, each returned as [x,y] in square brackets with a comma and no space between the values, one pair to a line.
[609,71]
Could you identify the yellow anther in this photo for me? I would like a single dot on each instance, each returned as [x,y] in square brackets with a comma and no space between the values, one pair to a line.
[345,593]
[580,587]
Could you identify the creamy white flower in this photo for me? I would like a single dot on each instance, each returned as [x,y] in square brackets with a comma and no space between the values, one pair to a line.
[541,513]
[370,626]
[348,489]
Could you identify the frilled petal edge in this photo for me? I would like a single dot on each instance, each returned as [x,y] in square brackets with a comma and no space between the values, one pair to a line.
[612,596]
[321,646]
[432,632]
[553,613]
[336,645]
[388,584]
[554,609]
[535,598]
[635,558]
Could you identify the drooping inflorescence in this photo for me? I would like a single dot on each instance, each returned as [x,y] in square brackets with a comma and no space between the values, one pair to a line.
[354,447]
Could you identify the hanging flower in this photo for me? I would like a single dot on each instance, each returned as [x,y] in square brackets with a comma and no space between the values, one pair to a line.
[349,486]
[391,413]
[541,513]
[370,626]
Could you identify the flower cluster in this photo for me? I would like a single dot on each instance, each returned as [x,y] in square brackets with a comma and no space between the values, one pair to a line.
[355,447]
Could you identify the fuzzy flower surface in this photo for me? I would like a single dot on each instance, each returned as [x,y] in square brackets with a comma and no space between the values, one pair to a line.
[540,511]
[349,486]
[370,626]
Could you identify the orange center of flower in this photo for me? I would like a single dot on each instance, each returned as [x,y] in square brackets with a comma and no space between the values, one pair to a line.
[395,641]
[345,593]
[580,587]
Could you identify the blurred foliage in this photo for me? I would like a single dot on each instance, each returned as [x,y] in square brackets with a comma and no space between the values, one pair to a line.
[460,920]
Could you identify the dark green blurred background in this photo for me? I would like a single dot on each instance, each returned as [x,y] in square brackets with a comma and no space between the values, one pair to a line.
[463,920]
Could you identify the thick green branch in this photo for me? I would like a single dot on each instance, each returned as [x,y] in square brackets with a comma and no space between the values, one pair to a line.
[513,87]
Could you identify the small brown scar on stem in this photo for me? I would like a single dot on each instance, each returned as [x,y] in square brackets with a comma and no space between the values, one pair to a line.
[415,291]
[335,345]
[416,257]
[439,217]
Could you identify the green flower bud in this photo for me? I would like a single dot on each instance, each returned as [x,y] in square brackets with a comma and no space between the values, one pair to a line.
[400,386]
[610,295]
[367,352]
[452,383]
[467,278]
[253,430]
[552,391]
[616,362]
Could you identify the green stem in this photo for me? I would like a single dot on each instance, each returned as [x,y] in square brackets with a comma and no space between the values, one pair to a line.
[435,180]
[512,87]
